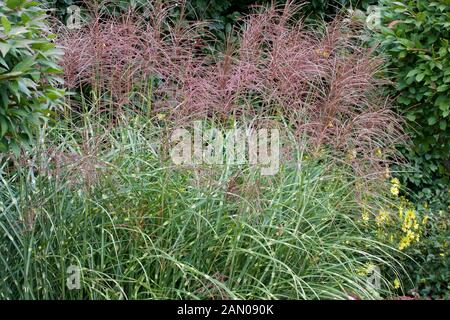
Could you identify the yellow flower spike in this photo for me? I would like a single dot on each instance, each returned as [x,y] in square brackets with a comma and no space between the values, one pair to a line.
[396,283]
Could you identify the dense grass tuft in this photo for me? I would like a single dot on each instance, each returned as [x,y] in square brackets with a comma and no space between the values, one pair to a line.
[139,228]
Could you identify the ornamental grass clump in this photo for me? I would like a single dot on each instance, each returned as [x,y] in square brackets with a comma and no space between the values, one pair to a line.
[143,229]
[99,194]
[324,82]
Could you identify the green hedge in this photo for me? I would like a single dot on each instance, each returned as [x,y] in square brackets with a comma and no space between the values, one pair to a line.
[415,35]
[27,72]
[224,12]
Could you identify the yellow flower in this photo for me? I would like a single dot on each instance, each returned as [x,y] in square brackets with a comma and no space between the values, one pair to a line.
[365,216]
[402,245]
[410,214]
[395,181]
[361,273]
[442,254]
[424,220]
[161,116]
[366,269]
[394,190]
[408,239]
[396,283]
[381,217]
[378,152]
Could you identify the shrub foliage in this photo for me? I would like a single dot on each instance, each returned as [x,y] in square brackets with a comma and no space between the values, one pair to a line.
[27,72]
[415,35]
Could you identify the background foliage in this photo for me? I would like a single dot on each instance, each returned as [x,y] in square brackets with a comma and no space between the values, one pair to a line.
[223,12]
[27,72]
[415,36]
[431,278]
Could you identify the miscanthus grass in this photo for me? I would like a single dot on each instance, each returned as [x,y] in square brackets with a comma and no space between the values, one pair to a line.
[106,200]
